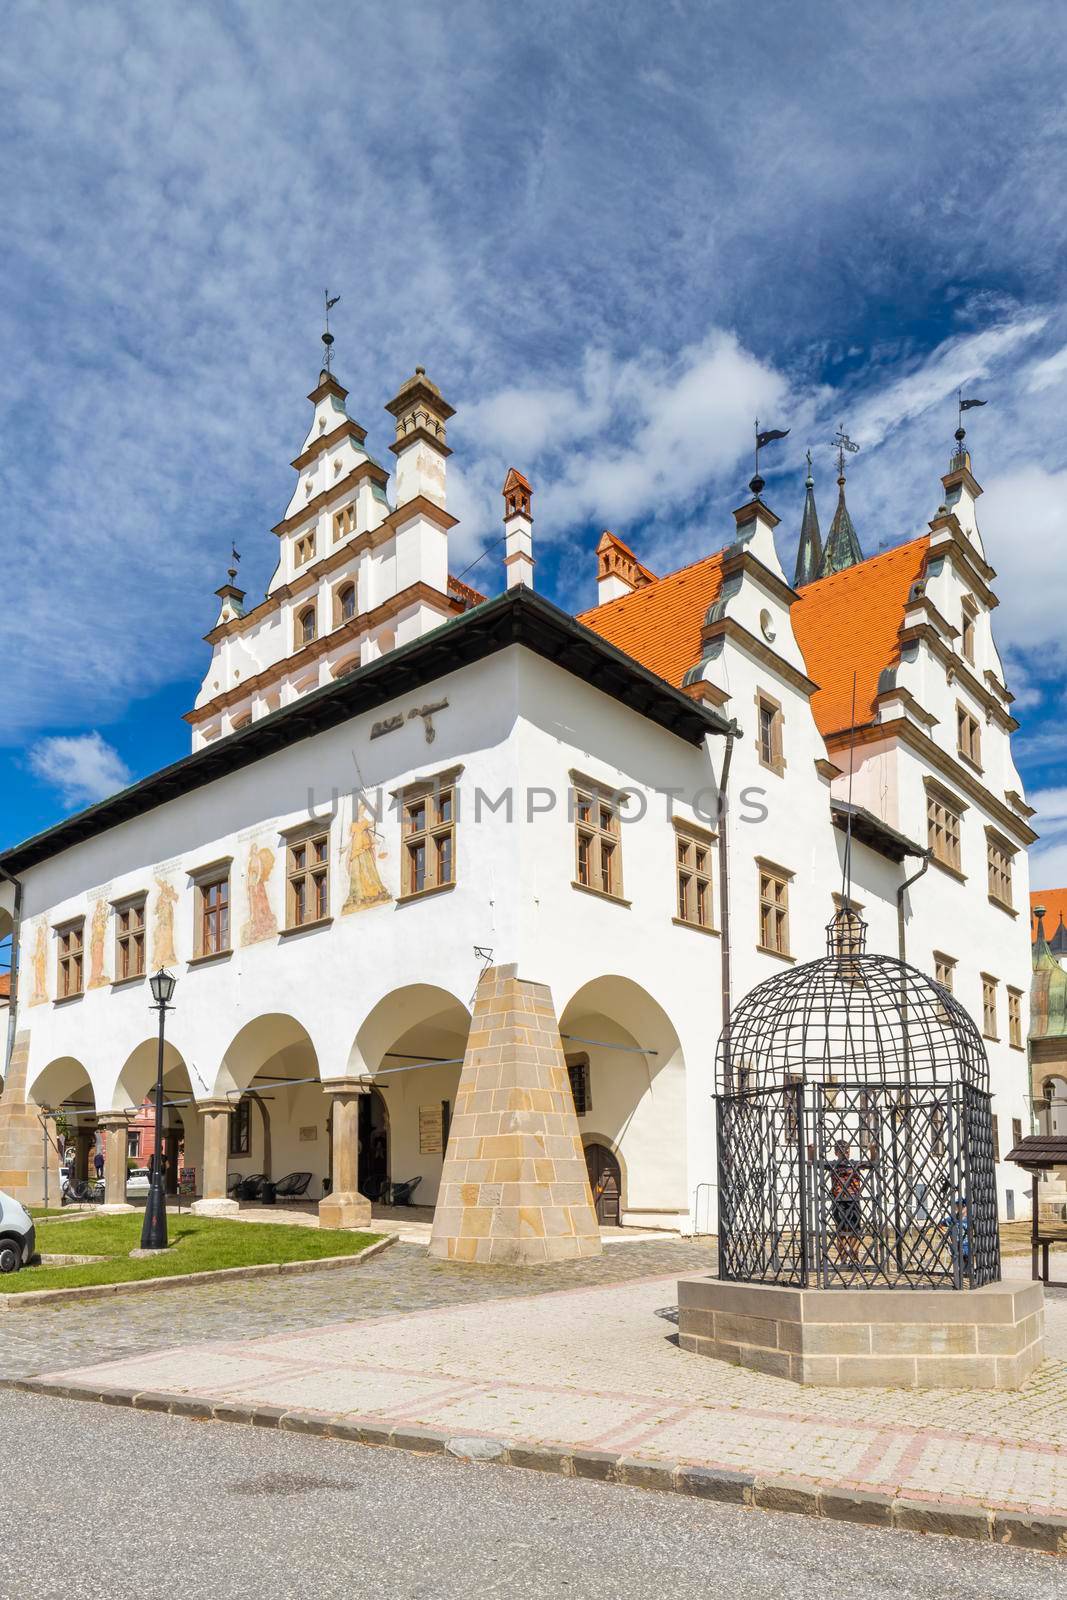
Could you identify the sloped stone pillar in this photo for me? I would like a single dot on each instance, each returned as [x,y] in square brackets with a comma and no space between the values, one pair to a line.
[22,1141]
[214,1201]
[115,1127]
[344,1206]
[514,1187]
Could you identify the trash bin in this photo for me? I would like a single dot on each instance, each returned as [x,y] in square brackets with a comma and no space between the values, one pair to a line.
[269,1194]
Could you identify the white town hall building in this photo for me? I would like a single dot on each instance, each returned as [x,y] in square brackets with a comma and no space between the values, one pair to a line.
[396,785]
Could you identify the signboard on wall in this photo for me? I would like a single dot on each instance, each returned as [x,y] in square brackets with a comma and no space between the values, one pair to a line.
[431,1142]
[187,1180]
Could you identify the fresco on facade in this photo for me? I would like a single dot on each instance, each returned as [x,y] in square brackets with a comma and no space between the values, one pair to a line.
[97,940]
[364,850]
[39,997]
[163,951]
[261,923]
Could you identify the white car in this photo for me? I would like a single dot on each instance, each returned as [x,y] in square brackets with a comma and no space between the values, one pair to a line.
[138,1181]
[18,1236]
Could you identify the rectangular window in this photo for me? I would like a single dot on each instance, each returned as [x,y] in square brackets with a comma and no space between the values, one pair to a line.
[1016,1131]
[344,522]
[998,864]
[133,1145]
[693,859]
[943,830]
[213,930]
[241,1129]
[769,732]
[578,1073]
[71,945]
[428,828]
[1015,1018]
[773,909]
[989,1006]
[308,880]
[304,549]
[968,736]
[944,969]
[598,846]
[996,1139]
[129,939]
[967,636]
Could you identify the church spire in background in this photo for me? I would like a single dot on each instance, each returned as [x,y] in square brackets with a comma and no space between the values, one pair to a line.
[842,546]
[809,551]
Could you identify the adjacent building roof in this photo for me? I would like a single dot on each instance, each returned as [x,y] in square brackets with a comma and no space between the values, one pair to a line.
[842,546]
[519,616]
[1055,904]
[845,623]
[809,550]
[1048,991]
[5,988]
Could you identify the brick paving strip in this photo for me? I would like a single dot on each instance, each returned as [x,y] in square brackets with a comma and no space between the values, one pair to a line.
[587,1382]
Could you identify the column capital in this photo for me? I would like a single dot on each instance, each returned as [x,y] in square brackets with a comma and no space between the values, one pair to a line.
[339,1086]
[115,1119]
[214,1105]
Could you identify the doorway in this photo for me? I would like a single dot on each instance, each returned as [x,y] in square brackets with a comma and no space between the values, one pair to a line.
[373,1145]
[605,1180]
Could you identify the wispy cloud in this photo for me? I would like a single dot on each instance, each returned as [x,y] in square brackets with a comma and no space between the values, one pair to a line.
[83,767]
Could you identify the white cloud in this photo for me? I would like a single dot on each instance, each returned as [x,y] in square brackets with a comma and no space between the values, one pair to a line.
[83,767]
[1048,373]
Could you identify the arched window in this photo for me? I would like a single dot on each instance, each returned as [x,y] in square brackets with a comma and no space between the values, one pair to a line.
[305,624]
[346,603]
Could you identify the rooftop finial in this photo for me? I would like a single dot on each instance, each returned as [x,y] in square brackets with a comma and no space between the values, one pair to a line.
[963,405]
[809,481]
[842,444]
[809,548]
[768,436]
[235,558]
[842,548]
[327,337]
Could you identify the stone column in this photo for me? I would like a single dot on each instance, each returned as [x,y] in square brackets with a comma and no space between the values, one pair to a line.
[214,1201]
[344,1206]
[514,1186]
[23,1151]
[114,1124]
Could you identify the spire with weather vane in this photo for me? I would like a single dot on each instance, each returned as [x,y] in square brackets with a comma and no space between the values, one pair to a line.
[232,598]
[809,550]
[842,548]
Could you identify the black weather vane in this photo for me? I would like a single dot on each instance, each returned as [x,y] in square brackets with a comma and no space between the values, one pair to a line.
[327,337]
[843,444]
[963,405]
[767,437]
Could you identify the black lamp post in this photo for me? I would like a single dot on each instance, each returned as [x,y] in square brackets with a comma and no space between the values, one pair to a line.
[154,1230]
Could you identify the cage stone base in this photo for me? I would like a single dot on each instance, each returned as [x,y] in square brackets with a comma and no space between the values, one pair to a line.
[988,1338]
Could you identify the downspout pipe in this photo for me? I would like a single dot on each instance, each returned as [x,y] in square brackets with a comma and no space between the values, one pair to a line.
[13,993]
[901,892]
[724,899]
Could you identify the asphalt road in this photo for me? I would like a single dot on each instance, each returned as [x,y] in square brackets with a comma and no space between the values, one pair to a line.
[102,1501]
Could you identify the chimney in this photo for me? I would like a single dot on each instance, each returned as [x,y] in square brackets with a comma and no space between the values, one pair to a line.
[518,530]
[618,570]
[420,449]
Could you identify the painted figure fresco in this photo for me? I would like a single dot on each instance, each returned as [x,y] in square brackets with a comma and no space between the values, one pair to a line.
[163,952]
[365,887]
[97,939]
[39,958]
[261,923]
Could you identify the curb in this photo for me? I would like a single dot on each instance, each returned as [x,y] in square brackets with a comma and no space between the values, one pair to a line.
[266,1269]
[1024,1530]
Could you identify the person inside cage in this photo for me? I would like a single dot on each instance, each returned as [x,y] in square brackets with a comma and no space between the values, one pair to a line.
[958,1229]
[846,1187]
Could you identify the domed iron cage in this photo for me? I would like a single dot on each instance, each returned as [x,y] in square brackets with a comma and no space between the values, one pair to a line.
[854,1129]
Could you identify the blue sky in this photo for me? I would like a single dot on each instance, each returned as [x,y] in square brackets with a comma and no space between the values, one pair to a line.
[612,233]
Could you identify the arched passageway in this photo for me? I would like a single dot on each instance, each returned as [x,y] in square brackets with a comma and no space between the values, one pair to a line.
[63,1093]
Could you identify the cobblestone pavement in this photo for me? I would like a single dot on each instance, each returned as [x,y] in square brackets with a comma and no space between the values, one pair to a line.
[401,1279]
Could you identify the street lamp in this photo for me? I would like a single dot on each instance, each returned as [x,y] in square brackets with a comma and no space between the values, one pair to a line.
[154,1230]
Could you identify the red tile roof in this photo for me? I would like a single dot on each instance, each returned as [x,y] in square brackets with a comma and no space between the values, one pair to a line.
[1055,904]
[845,623]
[5,985]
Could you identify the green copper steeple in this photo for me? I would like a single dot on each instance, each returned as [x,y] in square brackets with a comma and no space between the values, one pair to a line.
[842,546]
[1048,988]
[809,550]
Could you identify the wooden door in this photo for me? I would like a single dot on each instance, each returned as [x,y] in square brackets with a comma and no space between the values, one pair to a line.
[605,1180]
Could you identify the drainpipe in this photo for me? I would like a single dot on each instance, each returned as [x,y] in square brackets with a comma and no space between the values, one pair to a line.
[13,994]
[724,901]
[901,891]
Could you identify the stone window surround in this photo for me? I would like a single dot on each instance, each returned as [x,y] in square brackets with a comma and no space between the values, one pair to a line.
[938,795]
[989,1007]
[433,789]
[1015,1019]
[700,838]
[125,970]
[766,702]
[600,796]
[203,879]
[968,737]
[310,832]
[70,958]
[1000,870]
[783,876]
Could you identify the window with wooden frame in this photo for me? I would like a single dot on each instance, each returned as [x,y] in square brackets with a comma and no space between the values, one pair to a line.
[944,970]
[307,879]
[989,1006]
[303,549]
[999,863]
[769,732]
[70,946]
[597,841]
[1016,1131]
[305,626]
[693,868]
[578,1073]
[996,1138]
[241,1128]
[967,632]
[213,915]
[943,815]
[130,938]
[1015,1019]
[346,603]
[344,522]
[968,736]
[773,908]
[428,837]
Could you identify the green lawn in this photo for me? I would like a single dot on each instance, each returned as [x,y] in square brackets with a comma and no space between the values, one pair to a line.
[201,1244]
